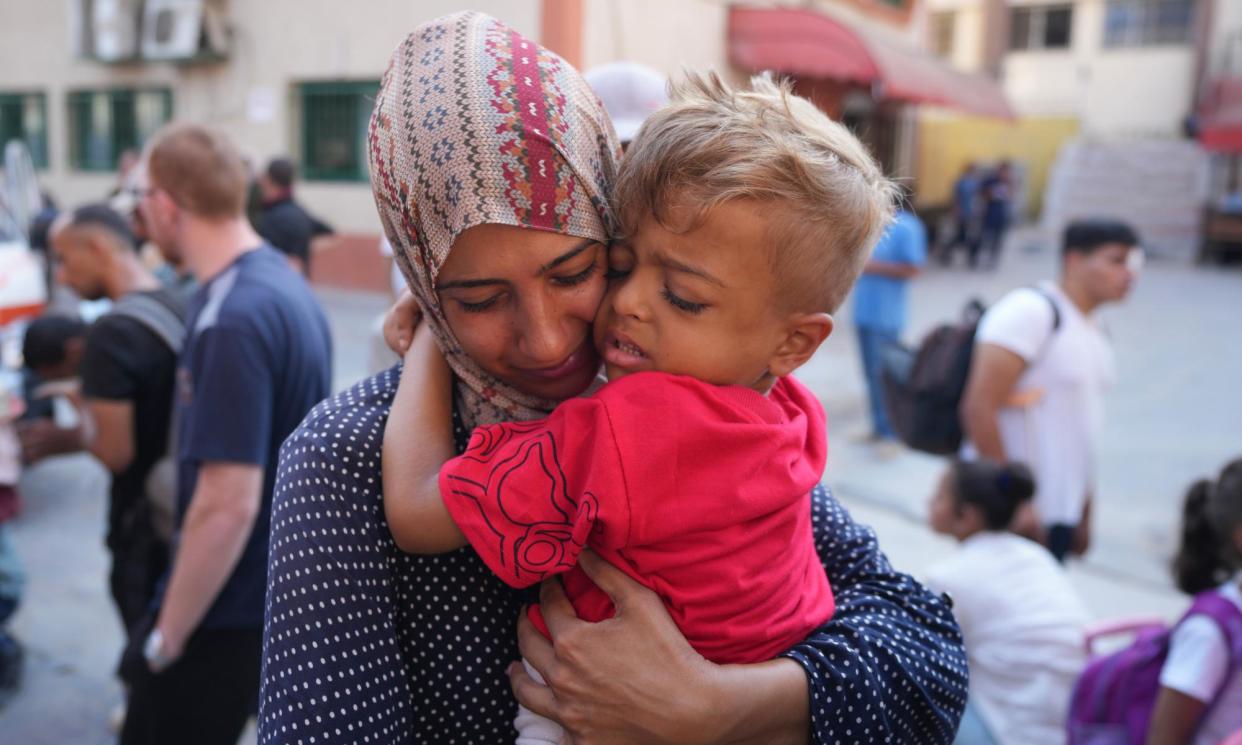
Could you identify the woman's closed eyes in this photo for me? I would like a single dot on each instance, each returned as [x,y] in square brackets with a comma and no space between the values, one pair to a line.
[562,281]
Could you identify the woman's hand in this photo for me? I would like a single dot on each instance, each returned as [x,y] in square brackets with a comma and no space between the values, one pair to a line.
[400,323]
[634,679]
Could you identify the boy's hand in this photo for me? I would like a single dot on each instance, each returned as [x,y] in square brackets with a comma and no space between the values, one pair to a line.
[425,354]
[400,323]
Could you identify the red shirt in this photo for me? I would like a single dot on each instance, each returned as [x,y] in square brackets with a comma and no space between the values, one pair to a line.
[699,492]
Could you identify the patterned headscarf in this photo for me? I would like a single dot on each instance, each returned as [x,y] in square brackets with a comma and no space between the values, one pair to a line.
[476,124]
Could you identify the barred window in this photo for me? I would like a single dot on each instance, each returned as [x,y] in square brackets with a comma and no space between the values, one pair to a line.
[105,123]
[942,27]
[23,117]
[334,129]
[1134,23]
[1040,27]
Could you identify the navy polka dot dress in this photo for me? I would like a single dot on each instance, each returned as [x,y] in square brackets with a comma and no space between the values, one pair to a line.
[366,644]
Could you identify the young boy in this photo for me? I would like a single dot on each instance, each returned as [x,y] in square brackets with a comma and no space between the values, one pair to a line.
[748,215]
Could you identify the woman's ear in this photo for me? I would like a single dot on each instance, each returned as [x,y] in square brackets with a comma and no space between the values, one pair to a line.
[804,333]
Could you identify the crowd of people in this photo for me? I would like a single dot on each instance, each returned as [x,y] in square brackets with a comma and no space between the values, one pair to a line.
[491,542]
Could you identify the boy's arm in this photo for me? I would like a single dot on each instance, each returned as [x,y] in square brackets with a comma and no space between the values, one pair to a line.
[418,440]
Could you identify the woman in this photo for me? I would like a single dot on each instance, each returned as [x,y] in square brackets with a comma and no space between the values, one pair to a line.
[492,164]
[1022,621]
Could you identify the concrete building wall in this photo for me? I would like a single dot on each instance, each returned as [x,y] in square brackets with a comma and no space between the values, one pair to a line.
[277,44]
[1114,92]
[667,36]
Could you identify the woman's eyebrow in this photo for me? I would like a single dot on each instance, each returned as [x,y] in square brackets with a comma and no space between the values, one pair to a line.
[567,256]
[571,253]
[468,283]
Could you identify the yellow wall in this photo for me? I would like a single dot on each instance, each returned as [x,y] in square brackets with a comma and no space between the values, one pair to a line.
[946,143]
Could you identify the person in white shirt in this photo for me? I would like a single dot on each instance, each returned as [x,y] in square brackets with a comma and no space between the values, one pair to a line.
[1041,366]
[1021,620]
[1200,699]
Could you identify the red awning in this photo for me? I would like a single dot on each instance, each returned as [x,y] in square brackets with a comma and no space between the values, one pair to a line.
[812,45]
[1220,119]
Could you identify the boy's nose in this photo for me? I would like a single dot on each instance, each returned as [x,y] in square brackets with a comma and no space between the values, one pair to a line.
[627,297]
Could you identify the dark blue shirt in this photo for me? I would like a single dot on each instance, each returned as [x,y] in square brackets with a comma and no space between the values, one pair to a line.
[257,357]
[364,643]
[997,196]
[964,190]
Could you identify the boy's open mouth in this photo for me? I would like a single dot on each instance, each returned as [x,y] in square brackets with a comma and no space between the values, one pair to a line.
[620,351]
[628,348]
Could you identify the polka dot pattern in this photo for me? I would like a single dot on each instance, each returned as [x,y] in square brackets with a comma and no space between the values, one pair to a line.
[890,665]
[366,644]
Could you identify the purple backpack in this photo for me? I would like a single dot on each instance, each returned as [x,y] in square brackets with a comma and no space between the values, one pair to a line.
[1115,696]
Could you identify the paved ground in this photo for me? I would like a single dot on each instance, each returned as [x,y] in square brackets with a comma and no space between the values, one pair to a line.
[1176,414]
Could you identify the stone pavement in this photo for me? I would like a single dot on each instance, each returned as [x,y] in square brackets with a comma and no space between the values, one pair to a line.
[1176,414]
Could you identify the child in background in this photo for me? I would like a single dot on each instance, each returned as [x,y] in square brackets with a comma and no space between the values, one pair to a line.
[52,351]
[1200,698]
[1021,619]
[750,214]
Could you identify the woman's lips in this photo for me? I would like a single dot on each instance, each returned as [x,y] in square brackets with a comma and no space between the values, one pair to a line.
[621,352]
[583,357]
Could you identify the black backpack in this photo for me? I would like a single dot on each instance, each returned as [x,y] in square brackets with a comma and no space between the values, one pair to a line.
[923,388]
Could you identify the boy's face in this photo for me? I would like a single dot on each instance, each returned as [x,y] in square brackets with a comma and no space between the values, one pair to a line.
[77,262]
[699,303]
[1108,272]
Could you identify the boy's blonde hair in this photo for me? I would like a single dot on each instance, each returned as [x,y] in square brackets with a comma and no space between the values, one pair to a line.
[829,200]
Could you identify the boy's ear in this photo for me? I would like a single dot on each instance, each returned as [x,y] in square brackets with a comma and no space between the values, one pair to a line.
[804,333]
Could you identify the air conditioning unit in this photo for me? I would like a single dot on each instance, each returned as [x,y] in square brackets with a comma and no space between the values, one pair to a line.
[182,29]
[114,29]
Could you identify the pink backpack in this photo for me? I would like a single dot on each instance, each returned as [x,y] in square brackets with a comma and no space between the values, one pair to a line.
[1116,694]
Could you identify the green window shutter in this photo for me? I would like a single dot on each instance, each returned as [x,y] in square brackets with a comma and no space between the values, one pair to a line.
[23,116]
[334,129]
[103,124]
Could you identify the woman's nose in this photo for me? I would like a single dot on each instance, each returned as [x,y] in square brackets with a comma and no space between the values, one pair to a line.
[544,337]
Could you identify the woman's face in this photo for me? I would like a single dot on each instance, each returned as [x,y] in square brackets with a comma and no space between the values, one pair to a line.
[521,303]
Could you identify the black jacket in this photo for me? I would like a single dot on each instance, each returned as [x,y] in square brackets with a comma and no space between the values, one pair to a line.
[289,228]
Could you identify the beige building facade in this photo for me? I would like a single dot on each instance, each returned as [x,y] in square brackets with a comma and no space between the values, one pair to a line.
[1120,68]
[280,54]
[296,77]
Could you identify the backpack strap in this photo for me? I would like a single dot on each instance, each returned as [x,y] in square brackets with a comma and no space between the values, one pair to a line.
[1056,321]
[1056,309]
[156,316]
[1228,617]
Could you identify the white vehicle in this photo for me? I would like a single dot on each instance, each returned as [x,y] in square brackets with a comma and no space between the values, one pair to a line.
[23,293]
